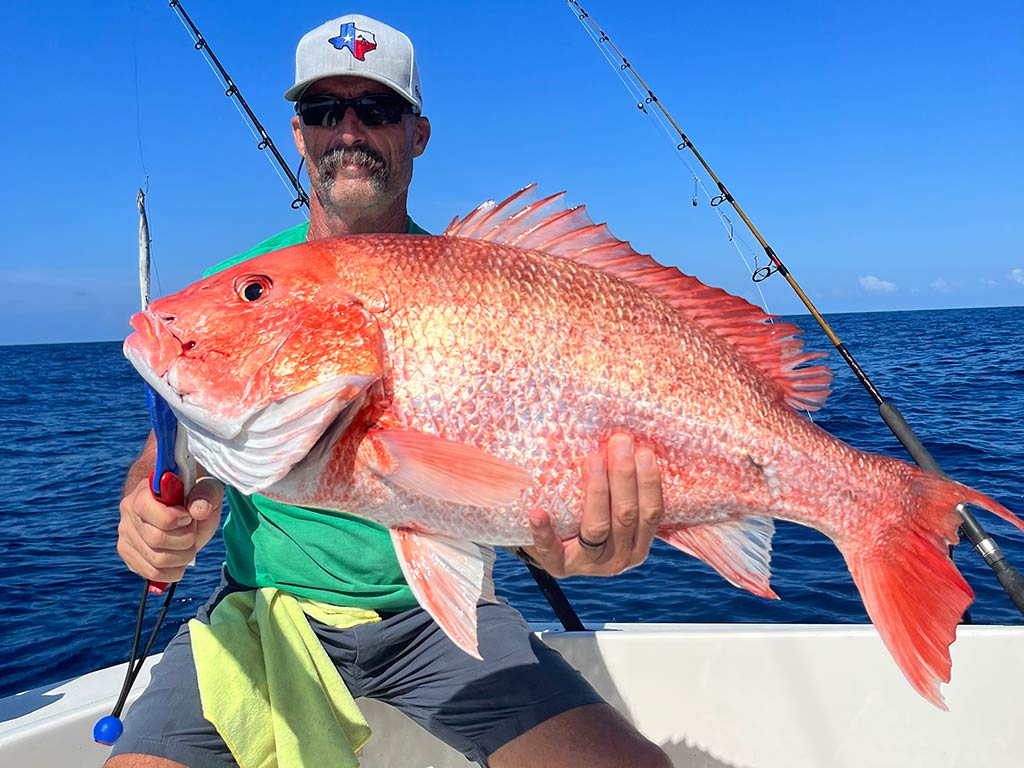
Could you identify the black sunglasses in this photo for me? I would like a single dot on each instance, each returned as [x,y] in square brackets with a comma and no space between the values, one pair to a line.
[372,110]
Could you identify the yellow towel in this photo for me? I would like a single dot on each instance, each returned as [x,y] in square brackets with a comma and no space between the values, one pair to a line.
[269,687]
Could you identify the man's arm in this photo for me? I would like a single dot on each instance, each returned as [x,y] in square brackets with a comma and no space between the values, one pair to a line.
[158,541]
[622,508]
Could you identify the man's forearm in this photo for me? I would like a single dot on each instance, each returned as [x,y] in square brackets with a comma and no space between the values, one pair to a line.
[143,466]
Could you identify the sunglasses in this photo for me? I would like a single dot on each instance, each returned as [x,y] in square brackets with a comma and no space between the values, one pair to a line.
[372,110]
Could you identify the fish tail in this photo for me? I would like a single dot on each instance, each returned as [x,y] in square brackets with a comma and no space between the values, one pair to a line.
[911,589]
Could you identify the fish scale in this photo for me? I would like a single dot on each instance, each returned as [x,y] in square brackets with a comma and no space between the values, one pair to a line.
[448,387]
[514,411]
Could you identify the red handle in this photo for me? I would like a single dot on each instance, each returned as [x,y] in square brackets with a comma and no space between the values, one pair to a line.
[172,493]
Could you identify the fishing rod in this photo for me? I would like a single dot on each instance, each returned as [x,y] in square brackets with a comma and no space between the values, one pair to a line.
[1008,577]
[265,142]
[168,485]
[169,479]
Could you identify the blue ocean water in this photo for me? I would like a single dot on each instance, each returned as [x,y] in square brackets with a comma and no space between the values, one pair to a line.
[72,418]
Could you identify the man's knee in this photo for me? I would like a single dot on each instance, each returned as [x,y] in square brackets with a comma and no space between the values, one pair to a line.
[642,752]
[650,755]
[594,736]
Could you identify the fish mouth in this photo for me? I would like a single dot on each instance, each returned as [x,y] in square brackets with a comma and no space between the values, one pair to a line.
[153,344]
[154,350]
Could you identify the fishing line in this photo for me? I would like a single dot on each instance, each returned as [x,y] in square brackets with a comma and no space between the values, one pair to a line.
[264,142]
[138,98]
[1008,577]
[142,155]
[642,99]
[108,729]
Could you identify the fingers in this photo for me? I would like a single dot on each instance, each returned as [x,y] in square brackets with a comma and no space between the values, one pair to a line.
[622,509]
[204,505]
[154,540]
[650,502]
[624,503]
[548,551]
[205,498]
[596,522]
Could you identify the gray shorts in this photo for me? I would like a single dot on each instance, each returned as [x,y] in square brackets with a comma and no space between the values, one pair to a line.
[405,661]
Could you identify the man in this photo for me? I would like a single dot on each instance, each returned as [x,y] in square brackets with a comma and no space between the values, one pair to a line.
[359,127]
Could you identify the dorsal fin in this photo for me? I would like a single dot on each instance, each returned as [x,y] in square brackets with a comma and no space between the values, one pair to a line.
[523,221]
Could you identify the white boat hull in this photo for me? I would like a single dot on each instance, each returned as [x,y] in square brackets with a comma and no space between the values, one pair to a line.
[742,696]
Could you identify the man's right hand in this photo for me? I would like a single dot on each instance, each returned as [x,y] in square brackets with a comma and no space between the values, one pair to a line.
[158,541]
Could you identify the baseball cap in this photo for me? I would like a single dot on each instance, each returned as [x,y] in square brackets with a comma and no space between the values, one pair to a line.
[357,46]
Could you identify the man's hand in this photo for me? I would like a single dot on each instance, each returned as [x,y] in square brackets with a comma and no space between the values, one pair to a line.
[622,508]
[157,541]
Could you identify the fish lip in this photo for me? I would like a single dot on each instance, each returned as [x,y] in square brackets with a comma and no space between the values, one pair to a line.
[153,332]
[185,411]
[154,351]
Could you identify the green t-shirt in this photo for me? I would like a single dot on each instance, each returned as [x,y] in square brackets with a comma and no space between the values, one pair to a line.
[329,556]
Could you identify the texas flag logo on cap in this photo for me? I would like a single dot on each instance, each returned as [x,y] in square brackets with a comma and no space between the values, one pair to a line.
[358,41]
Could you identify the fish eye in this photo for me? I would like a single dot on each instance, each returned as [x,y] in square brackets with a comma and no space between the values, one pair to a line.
[253,287]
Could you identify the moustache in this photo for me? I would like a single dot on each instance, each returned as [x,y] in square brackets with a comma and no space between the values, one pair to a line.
[339,156]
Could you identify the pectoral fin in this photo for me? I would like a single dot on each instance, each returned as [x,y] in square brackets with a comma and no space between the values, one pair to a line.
[445,470]
[448,577]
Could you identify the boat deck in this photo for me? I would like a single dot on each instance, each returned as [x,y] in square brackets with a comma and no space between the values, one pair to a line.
[714,696]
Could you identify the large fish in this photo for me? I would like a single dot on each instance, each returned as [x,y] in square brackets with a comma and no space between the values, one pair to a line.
[444,386]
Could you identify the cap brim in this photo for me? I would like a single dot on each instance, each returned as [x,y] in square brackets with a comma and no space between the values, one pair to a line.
[295,92]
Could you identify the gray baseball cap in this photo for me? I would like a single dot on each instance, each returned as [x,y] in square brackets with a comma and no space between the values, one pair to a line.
[357,46]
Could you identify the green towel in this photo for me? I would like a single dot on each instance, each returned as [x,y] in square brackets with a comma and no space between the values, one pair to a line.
[269,687]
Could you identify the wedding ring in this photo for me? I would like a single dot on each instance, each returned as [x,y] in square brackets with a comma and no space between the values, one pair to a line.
[593,546]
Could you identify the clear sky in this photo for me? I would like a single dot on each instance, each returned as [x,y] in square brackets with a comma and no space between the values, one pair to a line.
[876,144]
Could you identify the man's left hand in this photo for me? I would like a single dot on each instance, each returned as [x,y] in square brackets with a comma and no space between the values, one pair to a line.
[622,508]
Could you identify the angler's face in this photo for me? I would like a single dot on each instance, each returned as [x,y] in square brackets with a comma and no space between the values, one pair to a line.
[352,165]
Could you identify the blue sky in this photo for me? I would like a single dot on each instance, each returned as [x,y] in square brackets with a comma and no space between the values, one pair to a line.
[876,145]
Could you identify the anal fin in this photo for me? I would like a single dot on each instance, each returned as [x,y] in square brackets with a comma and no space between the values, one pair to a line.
[740,550]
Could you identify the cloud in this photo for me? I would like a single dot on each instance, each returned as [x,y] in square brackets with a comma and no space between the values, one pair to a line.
[987,281]
[872,284]
[946,286]
[1017,275]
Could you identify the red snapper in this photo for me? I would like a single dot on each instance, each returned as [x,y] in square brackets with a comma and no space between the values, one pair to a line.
[444,386]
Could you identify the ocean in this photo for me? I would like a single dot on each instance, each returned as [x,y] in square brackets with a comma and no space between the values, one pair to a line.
[73,417]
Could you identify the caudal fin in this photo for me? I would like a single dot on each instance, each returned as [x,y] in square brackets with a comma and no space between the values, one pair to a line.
[913,592]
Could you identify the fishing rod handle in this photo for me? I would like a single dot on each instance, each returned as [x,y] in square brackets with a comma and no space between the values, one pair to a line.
[1010,579]
[990,552]
[170,491]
